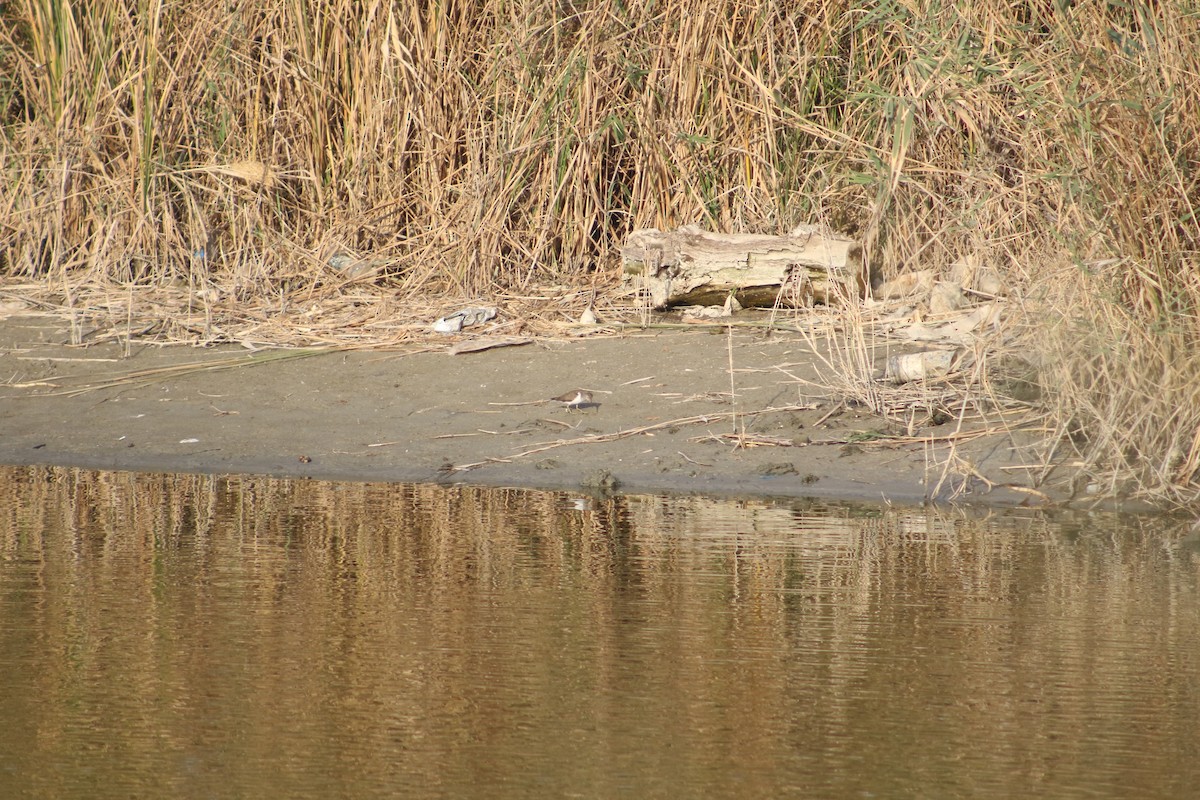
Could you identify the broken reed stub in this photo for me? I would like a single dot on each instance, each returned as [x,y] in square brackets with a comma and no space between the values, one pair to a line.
[691,266]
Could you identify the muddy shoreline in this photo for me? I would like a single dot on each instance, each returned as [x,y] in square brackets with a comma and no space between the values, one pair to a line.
[669,416]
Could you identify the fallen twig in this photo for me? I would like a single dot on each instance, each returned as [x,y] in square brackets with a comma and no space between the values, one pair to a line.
[700,419]
[858,437]
[147,376]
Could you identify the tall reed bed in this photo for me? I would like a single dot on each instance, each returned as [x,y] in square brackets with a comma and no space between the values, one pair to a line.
[472,146]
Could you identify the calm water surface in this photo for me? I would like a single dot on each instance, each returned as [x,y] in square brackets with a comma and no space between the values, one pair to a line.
[188,636]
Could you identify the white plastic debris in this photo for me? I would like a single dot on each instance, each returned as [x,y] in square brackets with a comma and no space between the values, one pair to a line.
[918,366]
[465,318]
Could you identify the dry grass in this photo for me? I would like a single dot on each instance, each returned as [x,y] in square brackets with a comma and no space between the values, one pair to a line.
[332,172]
[1127,399]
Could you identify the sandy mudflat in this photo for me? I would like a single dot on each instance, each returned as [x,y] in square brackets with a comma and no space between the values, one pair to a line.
[429,416]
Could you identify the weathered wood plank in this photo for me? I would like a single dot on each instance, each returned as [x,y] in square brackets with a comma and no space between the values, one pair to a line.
[691,266]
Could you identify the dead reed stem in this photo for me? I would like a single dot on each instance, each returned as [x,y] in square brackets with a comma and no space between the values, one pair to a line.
[627,432]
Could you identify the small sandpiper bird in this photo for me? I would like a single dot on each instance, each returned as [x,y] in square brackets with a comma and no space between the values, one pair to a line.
[576,398]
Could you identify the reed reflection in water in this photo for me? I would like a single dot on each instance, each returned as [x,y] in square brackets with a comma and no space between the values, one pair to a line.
[192,636]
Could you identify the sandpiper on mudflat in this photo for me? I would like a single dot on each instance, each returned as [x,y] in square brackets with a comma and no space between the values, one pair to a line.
[576,398]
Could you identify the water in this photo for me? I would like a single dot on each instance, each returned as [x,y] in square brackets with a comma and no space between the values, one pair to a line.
[187,636]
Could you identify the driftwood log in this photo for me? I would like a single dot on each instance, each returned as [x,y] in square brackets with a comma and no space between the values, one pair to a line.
[691,266]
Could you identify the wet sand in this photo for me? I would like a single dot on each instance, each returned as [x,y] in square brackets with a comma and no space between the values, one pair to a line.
[668,416]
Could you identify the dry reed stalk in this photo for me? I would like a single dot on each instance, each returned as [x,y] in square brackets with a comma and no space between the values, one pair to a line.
[150,376]
[696,419]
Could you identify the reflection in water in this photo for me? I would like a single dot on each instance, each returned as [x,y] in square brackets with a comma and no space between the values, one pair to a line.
[191,636]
